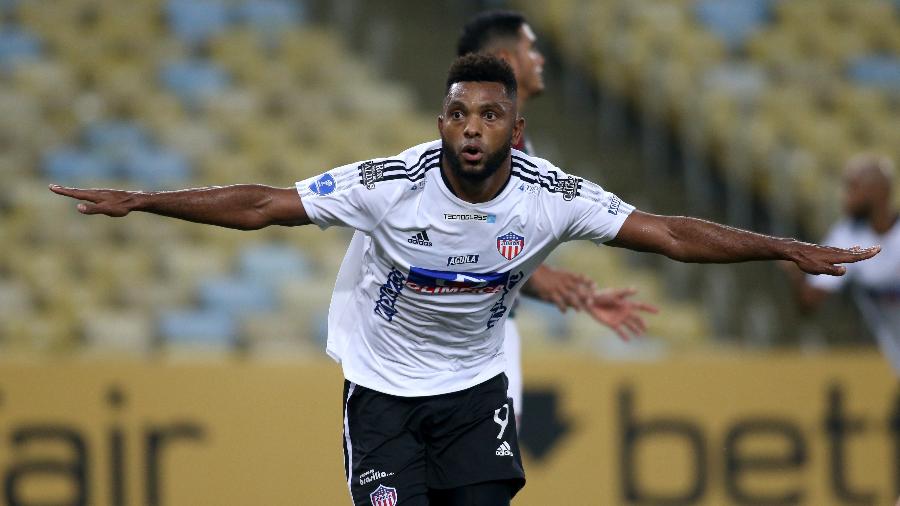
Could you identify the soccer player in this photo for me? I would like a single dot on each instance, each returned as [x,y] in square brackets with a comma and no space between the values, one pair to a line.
[875,286]
[453,228]
[507,35]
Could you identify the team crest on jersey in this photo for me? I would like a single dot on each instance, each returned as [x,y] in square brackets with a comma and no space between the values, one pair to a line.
[384,496]
[510,245]
[322,186]
[370,172]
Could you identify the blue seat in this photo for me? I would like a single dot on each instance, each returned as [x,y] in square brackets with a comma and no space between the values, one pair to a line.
[733,21]
[115,136]
[236,296]
[195,21]
[271,263]
[194,80]
[17,45]
[69,165]
[876,71]
[155,167]
[269,17]
[198,327]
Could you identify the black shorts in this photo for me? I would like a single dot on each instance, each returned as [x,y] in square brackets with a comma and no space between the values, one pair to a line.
[396,449]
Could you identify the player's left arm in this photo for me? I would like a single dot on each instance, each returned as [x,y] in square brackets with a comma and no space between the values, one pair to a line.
[612,307]
[563,288]
[699,241]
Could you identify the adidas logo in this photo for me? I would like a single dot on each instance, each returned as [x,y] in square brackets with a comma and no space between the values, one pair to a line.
[504,450]
[421,239]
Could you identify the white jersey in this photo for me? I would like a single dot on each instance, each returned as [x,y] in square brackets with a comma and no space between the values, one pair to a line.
[422,296]
[875,283]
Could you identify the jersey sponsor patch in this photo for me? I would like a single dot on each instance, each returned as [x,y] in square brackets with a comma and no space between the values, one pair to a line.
[485,218]
[462,259]
[614,204]
[510,245]
[568,187]
[448,282]
[384,496]
[323,186]
[371,172]
[388,294]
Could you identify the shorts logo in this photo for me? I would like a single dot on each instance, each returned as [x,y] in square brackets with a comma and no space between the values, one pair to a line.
[372,475]
[462,259]
[486,218]
[504,450]
[510,245]
[370,172]
[568,187]
[322,186]
[384,496]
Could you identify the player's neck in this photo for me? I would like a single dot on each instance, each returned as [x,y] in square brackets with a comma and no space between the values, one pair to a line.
[476,192]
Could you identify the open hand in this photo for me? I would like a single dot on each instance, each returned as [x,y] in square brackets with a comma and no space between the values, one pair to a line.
[615,309]
[116,203]
[815,259]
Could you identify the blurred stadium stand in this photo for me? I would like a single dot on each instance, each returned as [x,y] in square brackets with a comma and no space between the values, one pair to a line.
[168,94]
[768,97]
[755,105]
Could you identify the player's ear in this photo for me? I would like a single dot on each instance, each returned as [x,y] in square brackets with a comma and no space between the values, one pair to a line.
[506,54]
[441,123]
[518,130]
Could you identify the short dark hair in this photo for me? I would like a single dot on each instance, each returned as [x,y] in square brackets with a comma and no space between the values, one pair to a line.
[487,27]
[482,67]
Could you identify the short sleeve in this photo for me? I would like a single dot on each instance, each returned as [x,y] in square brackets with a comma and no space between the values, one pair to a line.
[593,214]
[348,196]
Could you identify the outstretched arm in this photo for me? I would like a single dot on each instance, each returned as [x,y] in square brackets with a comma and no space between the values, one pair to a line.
[244,207]
[699,241]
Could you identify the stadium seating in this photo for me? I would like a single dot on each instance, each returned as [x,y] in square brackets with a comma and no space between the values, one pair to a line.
[770,91]
[165,94]
[173,93]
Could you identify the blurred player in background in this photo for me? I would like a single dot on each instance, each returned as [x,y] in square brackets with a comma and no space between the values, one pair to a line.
[870,217]
[454,228]
[507,35]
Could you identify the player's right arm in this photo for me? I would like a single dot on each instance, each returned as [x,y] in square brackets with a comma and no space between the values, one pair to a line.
[242,207]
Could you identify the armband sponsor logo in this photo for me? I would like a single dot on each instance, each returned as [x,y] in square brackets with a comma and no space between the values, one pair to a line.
[323,186]
[614,204]
[371,172]
[433,282]
[388,294]
[485,218]
[531,189]
[568,187]
[462,259]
